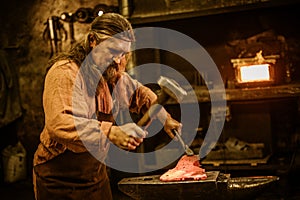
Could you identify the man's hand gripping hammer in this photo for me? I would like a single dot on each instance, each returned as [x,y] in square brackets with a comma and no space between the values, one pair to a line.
[169,89]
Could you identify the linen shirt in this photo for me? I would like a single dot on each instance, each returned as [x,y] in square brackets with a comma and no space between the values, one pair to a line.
[70,121]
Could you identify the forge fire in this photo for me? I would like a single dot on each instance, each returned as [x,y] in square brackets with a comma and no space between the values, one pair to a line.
[256,70]
[254,73]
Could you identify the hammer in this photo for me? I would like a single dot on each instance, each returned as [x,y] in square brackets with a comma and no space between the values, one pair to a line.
[169,89]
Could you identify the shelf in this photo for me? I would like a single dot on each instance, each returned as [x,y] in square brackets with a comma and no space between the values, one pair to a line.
[259,166]
[251,162]
[148,11]
[244,94]
[270,163]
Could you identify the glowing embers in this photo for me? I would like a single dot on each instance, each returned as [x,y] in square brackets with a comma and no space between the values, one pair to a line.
[254,73]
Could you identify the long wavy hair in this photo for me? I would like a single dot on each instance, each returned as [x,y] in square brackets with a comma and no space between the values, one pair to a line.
[102,28]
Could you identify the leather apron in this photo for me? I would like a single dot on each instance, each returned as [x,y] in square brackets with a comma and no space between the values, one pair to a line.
[74,176]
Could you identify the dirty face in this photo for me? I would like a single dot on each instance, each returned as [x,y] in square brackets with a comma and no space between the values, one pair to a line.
[111,57]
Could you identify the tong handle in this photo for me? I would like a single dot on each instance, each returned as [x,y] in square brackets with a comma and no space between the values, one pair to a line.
[186,148]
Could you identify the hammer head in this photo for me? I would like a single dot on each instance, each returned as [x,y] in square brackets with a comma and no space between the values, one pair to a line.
[172,88]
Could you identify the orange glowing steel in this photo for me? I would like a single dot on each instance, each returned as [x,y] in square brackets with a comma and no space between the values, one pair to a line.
[255,73]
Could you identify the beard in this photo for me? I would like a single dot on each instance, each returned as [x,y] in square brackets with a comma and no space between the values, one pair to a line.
[111,74]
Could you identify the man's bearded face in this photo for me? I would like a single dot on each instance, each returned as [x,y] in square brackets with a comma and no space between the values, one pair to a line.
[113,54]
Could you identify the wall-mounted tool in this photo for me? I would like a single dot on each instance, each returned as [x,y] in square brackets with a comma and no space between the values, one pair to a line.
[84,15]
[69,18]
[55,33]
[99,10]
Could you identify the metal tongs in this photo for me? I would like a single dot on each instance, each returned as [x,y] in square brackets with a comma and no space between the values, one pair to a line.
[186,148]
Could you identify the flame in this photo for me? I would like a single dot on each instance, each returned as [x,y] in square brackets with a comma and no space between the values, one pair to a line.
[254,73]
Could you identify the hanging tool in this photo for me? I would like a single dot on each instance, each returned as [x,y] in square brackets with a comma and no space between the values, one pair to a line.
[70,19]
[84,15]
[55,34]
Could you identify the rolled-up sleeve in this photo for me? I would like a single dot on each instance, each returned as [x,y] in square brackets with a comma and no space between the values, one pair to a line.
[69,110]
